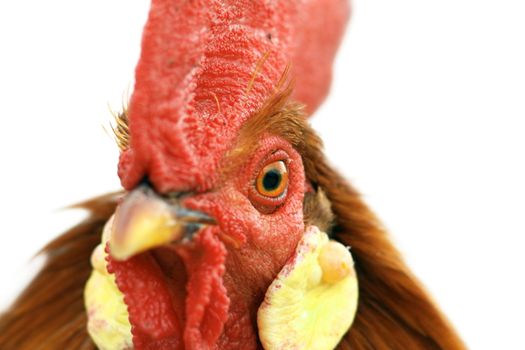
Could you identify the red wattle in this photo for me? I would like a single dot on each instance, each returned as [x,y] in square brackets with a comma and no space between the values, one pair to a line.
[207,303]
[146,292]
[154,322]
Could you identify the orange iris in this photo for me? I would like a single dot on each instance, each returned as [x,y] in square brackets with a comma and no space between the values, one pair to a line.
[272,181]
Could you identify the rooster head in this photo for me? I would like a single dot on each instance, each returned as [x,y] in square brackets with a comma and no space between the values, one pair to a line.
[214,159]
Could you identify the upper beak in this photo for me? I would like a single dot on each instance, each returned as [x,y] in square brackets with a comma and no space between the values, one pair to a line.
[144,220]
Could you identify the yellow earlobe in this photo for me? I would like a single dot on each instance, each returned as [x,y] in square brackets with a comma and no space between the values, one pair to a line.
[108,323]
[313,300]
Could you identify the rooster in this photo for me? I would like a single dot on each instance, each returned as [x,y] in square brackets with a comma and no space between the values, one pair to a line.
[233,228]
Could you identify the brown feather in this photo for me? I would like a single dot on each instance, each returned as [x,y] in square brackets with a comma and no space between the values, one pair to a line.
[394,311]
[317,210]
[121,129]
[50,313]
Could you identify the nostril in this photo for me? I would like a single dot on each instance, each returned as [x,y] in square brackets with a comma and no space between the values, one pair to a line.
[190,229]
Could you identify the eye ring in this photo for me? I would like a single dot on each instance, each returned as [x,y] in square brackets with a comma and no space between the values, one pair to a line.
[272,180]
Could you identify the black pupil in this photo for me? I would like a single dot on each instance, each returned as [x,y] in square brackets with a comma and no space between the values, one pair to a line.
[272,180]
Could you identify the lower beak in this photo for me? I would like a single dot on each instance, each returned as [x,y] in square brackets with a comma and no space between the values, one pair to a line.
[144,220]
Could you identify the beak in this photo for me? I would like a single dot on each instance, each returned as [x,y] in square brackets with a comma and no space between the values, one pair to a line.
[145,220]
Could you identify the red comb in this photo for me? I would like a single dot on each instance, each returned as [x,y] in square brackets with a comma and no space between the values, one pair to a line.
[207,66]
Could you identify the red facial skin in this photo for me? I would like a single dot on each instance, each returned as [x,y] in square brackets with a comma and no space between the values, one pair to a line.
[270,239]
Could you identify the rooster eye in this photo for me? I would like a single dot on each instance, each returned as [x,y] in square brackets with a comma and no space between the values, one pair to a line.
[272,181]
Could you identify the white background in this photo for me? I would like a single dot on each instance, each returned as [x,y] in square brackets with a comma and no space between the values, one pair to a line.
[426,117]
